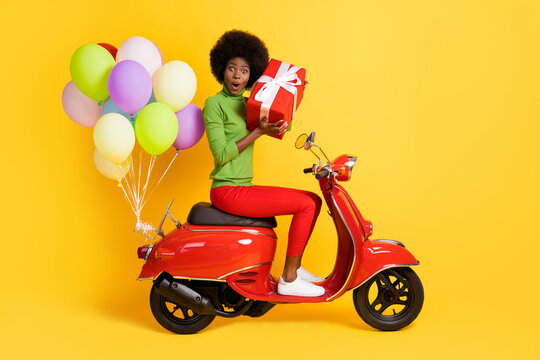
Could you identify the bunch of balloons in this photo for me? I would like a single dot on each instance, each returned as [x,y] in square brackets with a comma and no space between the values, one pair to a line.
[128,95]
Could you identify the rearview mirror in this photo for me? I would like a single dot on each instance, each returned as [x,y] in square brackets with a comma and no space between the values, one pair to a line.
[305,141]
[301,141]
[311,139]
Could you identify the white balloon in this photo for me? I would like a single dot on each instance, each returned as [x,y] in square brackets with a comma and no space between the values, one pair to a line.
[114,137]
[141,50]
[108,169]
[175,84]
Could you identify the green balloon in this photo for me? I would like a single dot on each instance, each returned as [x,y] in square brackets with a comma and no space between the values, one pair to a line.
[90,67]
[156,128]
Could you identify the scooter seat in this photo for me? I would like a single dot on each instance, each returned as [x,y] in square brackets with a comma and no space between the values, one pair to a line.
[204,213]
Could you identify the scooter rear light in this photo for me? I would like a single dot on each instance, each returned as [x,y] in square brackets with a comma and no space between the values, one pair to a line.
[141,252]
[144,251]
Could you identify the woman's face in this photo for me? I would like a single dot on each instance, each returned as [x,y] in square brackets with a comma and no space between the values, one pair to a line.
[236,75]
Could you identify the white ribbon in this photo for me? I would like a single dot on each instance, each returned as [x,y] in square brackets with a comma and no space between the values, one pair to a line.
[285,78]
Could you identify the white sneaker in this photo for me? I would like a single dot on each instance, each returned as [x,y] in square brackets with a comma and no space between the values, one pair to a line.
[307,276]
[299,287]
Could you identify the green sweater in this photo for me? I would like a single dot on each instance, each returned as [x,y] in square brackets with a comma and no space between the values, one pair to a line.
[224,118]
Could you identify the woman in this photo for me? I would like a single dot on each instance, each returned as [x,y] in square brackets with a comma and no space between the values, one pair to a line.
[237,60]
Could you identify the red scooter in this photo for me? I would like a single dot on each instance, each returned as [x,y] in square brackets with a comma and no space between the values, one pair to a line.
[218,264]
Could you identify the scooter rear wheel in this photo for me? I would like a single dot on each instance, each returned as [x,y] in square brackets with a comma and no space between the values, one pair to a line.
[176,318]
[390,300]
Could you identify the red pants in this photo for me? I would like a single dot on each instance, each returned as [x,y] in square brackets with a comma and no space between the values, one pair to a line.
[264,201]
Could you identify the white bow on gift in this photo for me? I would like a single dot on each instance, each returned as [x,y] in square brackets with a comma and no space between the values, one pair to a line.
[285,78]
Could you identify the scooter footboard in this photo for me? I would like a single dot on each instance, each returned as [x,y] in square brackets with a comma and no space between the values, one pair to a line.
[378,255]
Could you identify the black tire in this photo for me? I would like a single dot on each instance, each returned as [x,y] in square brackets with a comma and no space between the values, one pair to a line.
[390,300]
[175,318]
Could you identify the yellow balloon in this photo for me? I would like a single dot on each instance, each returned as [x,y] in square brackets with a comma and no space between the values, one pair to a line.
[114,137]
[108,169]
[175,84]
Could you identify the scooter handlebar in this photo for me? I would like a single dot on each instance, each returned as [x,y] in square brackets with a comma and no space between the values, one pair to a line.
[322,173]
[308,170]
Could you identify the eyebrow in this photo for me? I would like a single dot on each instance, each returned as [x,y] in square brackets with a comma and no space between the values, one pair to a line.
[237,65]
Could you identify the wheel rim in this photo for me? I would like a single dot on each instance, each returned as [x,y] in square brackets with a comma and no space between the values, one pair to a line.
[178,314]
[389,295]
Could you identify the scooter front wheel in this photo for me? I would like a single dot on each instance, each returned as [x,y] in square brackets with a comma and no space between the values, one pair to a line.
[176,318]
[390,300]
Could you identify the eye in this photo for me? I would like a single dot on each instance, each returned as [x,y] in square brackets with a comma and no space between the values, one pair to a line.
[244,71]
[231,68]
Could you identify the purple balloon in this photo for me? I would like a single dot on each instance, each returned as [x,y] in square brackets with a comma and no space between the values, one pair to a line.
[130,86]
[190,127]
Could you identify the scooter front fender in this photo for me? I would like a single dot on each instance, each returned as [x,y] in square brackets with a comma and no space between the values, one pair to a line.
[378,255]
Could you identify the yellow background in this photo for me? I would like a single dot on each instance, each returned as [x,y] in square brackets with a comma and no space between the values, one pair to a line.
[439,99]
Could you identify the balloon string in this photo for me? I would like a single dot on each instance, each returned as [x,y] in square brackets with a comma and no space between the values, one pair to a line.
[130,179]
[129,194]
[133,187]
[168,167]
[127,178]
[129,202]
[134,191]
[165,172]
[130,171]
[139,178]
[113,171]
[150,167]
[136,195]
[130,190]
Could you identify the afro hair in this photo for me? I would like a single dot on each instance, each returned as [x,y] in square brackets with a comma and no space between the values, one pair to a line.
[238,43]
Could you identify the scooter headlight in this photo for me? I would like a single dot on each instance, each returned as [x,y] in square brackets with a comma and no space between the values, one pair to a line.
[343,166]
[350,163]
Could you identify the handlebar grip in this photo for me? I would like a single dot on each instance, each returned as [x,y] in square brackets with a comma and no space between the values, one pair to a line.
[323,173]
[308,170]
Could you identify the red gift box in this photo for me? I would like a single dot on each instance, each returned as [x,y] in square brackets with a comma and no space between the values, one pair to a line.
[277,93]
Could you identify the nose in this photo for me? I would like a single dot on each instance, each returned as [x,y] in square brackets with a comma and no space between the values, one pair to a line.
[236,74]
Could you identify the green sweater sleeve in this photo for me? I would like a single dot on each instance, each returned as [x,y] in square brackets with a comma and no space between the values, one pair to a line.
[222,149]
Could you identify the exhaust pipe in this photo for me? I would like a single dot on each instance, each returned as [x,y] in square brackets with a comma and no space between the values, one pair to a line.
[184,296]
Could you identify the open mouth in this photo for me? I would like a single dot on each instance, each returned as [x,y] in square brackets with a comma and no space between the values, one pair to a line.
[235,86]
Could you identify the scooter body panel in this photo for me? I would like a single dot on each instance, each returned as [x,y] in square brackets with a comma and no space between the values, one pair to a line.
[352,230]
[210,252]
[358,258]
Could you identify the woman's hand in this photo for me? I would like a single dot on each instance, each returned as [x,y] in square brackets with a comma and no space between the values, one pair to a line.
[264,127]
[277,128]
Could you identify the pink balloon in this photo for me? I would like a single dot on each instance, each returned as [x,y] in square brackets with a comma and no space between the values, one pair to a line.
[79,107]
[190,127]
[143,51]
